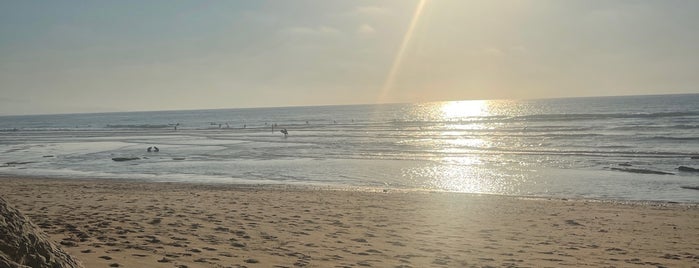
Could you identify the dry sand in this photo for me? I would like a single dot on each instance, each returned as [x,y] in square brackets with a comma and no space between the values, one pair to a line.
[135,224]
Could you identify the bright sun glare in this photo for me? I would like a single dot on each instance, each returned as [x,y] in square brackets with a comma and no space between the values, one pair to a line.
[462,109]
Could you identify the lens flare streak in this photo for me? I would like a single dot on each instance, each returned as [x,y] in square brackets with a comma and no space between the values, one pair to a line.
[398,60]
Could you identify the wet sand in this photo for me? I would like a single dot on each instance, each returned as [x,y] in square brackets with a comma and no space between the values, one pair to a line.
[107,223]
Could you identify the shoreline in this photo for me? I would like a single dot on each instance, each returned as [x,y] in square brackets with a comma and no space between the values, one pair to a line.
[112,223]
[330,187]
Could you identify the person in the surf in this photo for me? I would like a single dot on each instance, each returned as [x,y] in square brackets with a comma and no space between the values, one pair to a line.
[286,133]
[155,149]
[149,149]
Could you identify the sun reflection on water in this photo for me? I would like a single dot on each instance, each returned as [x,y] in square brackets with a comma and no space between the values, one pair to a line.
[461,164]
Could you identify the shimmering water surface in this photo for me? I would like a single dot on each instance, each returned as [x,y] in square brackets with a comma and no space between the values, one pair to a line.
[581,147]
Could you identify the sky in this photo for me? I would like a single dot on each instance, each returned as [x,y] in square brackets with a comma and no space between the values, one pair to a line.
[103,56]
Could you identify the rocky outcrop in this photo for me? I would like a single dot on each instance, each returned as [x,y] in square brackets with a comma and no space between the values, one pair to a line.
[122,159]
[687,169]
[643,171]
[22,244]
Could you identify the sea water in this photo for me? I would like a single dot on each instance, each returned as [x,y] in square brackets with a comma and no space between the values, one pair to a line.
[602,147]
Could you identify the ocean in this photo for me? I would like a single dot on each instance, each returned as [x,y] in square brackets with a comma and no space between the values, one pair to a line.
[619,148]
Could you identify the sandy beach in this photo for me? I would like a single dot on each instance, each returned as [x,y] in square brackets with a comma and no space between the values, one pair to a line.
[108,223]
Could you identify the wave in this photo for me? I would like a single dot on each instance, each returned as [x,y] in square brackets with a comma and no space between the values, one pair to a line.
[136,126]
[667,138]
[600,116]
[658,127]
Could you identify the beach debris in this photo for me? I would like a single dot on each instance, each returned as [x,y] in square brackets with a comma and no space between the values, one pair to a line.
[25,245]
[642,171]
[688,169]
[122,159]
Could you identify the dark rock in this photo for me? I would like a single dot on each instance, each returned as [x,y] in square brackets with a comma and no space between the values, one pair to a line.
[687,169]
[573,222]
[643,171]
[122,159]
[23,244]
[68,243]
[252,261]
[238,244]
[14,163]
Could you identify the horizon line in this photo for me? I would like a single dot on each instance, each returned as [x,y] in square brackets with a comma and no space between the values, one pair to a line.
[349,104]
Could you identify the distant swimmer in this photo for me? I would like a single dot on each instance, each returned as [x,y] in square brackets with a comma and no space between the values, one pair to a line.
[286,133]
[149,149]
[155,149]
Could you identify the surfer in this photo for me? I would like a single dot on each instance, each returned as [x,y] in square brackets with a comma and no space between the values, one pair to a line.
[286,133]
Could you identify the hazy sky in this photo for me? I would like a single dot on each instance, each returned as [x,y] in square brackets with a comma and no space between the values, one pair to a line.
[90,56]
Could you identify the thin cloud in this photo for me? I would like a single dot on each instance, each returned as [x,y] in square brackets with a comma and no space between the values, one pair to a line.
[320,30]
[366,29]
[493,51]
[372,11]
